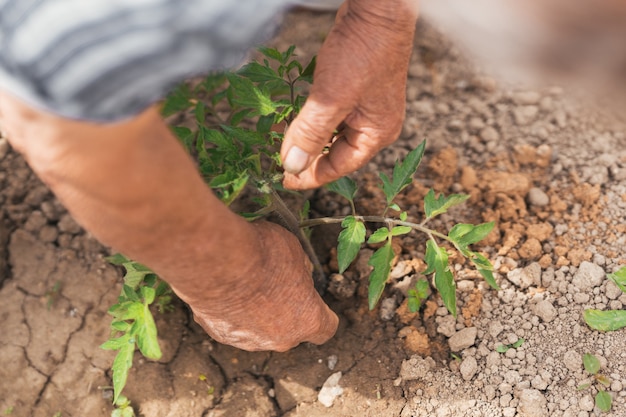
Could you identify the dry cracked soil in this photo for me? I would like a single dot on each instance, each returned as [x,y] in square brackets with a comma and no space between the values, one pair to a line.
[548,171]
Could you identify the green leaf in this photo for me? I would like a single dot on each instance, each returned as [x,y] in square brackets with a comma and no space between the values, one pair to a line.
[121,364]
[259,73]
[604,401]
[395,207]
[605,321]
[619,278]
[436,206]
[466,234]
[246,94]
[400,230]
[437,261]
[350,240]
[345,187]
[519,343]
[381,261]
[591,363]
[583,386]
[287,54]
[129,293]
[185,136]
[120,326]
[265,123]
[403,216]
[115,343]
[485,268]
[418,295]
[307,74]
[148,294]
[117,259]
[402,173]
[502,348]
[379,235]
[271,53]
[231,183]
[144,330]
[177,101]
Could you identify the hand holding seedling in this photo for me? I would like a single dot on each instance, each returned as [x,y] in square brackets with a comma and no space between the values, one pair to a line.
[359,81]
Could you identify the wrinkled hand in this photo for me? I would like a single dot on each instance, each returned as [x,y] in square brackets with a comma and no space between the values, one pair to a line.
[274,305]
[360,80]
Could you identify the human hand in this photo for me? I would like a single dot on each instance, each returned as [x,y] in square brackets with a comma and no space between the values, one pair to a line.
[274,305]
[359,82]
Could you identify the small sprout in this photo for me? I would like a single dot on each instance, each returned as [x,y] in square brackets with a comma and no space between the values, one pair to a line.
[210,388]
[505,348]
[456,357]
[8,411]
[609,320]
[602,399]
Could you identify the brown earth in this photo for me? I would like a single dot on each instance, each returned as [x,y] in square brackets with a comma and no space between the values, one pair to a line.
[550,175]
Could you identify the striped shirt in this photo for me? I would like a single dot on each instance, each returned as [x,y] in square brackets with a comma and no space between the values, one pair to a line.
[105,60]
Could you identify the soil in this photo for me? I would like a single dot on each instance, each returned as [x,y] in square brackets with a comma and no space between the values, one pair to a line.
[549,172]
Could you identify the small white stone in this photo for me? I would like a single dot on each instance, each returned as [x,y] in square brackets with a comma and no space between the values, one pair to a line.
[463,339]
[330,390]
[537,197]
[468,368]
[545,310]
[588,276]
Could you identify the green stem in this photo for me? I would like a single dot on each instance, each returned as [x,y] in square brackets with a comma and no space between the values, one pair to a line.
[293,225]
[376,219]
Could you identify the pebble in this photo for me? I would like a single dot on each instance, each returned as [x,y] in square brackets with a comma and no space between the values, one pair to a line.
[572,360]
[588,276]
[545,310]
[525,115]
[537,197]
[586,403]
[525,277]
[612,291]
[387,308]
[332,362]
[463,339]
[416,367]
[489,134]
[68,225]
[468,368]
[526,97]
[330,390]
[532,403]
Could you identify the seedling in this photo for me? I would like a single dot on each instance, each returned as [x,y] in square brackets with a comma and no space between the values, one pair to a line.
[608,320]
[239,119]
[123,408]
[602,399]
[8,411]
[505,348]
[210,388]
[133,323]
[52,294]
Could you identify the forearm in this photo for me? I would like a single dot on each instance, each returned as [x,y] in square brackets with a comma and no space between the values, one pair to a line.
[134,188]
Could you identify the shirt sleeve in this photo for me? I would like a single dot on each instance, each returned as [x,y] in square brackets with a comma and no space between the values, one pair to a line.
[106,60]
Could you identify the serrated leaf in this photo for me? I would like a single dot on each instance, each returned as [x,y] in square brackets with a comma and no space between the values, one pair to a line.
[115,343]
[246,94]
[466,234]
[129,293]
[379,236]
[434,206]
[120,326]
[619,278]
[604,401]
[308,71]
[271,53]
[605,321]
[437,262]
[403,172]
[259,73]
[350,240]
[345,187]
[177,101]
[591,363]
[381,261]
[185,136]
[485,268]
[145,332]
[121,364]
[400,230]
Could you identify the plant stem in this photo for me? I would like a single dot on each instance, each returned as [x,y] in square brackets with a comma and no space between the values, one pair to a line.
[376,219]
[293,225]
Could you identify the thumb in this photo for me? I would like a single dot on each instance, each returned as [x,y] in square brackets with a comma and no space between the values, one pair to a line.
[308,134]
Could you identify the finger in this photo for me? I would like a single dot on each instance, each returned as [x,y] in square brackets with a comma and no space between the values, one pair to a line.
[343,158]
[309,133]
[328,327]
